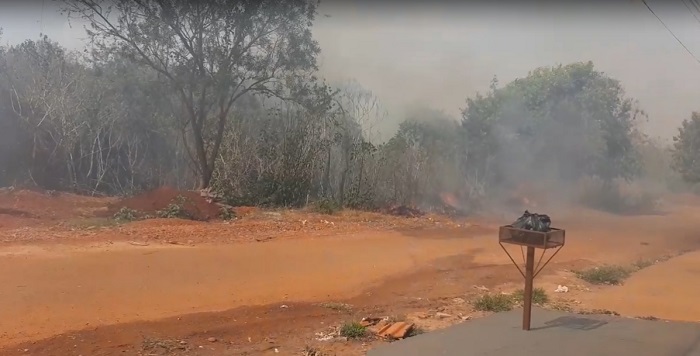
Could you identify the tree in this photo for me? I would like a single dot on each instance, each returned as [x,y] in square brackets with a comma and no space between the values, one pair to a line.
[557,124]
[422,159]
[686,149]
[211,52]
[359,111]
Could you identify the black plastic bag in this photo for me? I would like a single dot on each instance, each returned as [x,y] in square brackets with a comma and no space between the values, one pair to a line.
[533,222]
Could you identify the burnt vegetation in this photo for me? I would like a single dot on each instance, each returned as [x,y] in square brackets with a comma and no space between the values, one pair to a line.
[227,97]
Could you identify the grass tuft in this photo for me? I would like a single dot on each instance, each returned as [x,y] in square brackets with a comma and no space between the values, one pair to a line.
[607,274]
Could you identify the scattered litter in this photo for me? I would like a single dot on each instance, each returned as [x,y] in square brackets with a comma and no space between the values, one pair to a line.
[464,317]
[385,329]
[212,339]
[561,289]
[458,301]
[422,315]
[370,321]
[138,243]
[397,330]
[277,350]
[284,306]
[441,315]
[331,334]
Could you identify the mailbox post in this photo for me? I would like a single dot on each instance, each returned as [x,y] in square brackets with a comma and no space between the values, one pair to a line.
[531,241]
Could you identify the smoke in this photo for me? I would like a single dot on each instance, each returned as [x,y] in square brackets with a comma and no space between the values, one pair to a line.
[439,53]
[541,159]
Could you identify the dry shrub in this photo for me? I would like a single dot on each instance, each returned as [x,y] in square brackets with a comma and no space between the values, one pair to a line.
[610,275]
[617,197]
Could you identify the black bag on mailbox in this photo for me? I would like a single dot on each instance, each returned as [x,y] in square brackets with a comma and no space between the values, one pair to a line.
[533,222]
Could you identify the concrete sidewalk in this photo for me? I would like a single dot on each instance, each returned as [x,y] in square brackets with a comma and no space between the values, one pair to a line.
[553,334]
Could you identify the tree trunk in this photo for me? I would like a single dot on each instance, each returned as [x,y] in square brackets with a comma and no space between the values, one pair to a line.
[205,177]
[346,153]
[326,185]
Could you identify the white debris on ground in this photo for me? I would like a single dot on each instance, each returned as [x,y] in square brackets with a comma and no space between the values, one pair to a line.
[561,289]
[329,335]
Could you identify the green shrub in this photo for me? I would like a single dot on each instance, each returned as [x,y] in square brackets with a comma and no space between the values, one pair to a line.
[126,214]
[226,214]
[175,210]
[326,206]
[494,303]
[539,296]
[353,330]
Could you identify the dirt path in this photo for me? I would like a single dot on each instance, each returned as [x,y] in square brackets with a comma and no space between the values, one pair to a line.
[668,290]
[53,288]
[61,290]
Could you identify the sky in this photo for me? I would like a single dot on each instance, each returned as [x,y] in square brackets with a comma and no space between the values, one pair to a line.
[437,54]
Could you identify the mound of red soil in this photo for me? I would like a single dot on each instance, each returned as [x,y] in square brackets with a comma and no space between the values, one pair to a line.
[158,199]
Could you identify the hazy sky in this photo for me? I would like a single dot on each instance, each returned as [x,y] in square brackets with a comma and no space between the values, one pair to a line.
[439,54]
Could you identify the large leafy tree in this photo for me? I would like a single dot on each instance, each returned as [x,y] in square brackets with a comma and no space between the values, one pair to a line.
[686,149]
[559,123]
[210,52]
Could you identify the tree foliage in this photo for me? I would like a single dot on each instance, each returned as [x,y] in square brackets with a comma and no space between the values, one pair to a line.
[200,94]
[210,52]
[686,149]
[557,124]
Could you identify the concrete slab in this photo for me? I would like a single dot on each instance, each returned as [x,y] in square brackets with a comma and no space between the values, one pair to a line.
[553,334]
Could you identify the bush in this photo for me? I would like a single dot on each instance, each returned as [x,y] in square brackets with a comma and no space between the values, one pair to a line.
[326,206]
[642,264]
[539,296]
[611,275]
[126,214]
[353,330]
[494,303]
[175,210]
[616,198]
[226,214]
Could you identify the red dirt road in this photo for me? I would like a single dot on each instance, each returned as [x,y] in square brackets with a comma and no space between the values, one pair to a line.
[63,290]
[57,280]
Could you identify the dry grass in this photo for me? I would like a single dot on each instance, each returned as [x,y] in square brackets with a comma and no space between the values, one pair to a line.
[494,303]
[311,351]
[340,307]
[539,296]
[607,274]
[153,346]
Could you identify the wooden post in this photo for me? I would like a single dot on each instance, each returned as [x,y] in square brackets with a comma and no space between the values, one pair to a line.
[529,277]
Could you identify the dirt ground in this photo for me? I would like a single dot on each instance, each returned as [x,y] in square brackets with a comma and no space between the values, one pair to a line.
[75,282]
